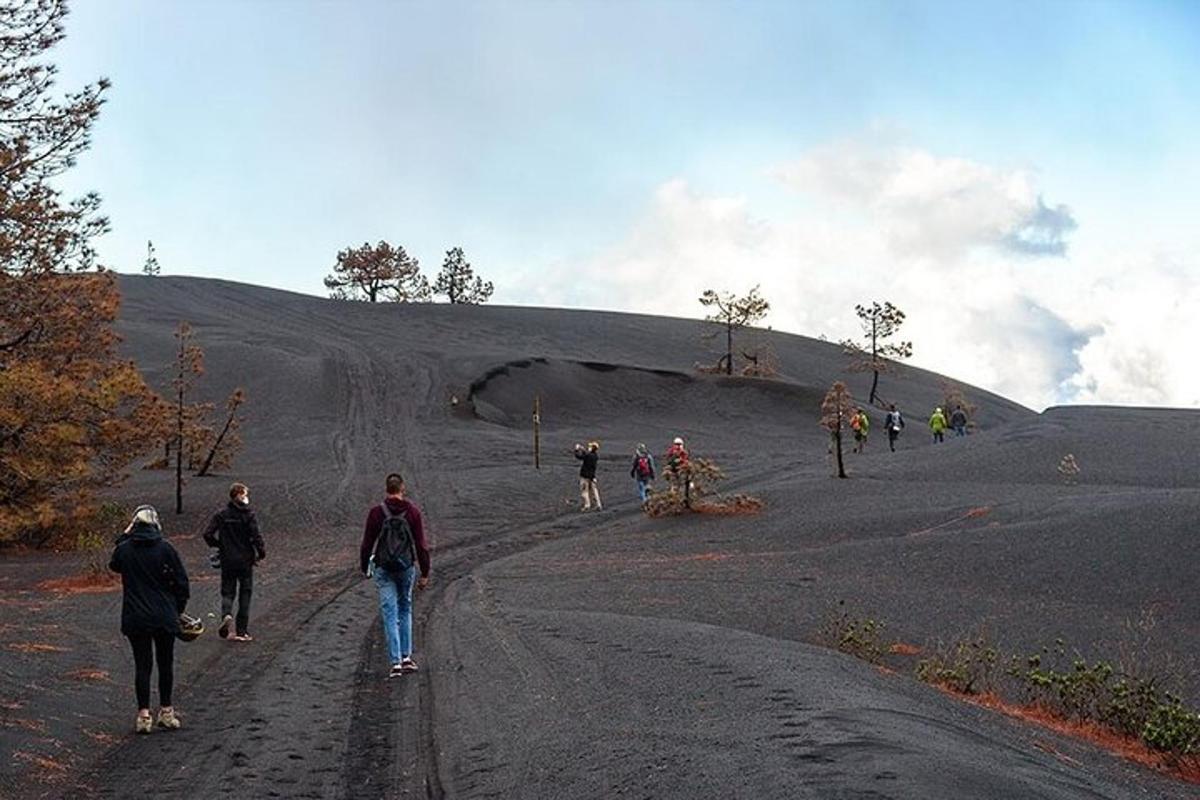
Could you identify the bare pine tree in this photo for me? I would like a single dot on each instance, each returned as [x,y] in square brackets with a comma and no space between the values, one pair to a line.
[458,281]
[733,312]
[381,272]
[229,441]
[879,322]
[836,411]
[189,366]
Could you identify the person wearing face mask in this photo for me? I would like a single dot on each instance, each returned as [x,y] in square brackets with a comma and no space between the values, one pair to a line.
[234,532]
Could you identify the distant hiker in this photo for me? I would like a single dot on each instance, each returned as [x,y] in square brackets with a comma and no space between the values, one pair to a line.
[393,546]
[155,592]
[590,456]
[679,469]
[642,470]
[234,532]
[677,455]
[860,423]
[958,421]
[893,424]
[937,424]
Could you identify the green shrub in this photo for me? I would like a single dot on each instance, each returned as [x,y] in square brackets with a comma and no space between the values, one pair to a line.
[861,638]
[967,667]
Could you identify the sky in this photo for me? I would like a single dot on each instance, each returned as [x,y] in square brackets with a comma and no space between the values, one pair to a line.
[1020,178]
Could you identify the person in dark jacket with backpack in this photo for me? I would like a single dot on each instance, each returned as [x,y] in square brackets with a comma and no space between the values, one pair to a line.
[643,470]
[588,487]
[154,587]
[393,547]
[234,532]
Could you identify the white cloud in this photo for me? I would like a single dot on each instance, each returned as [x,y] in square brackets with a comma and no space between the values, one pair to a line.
[935,207]
[949,240]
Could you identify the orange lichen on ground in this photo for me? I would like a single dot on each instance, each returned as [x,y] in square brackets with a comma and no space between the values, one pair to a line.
[35,725]
[35,647]
[973,513]
[1118,744]
[101,736]
[84,583]
[85,674]
[45,762]
[904,649]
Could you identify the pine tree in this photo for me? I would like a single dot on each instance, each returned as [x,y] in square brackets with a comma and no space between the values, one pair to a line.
[878,322]
[734,313]
[151,267]
[458,282]
[836,410]
[73,415]
[382,272]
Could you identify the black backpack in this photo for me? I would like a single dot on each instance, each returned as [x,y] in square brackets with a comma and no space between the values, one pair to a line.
[395,549]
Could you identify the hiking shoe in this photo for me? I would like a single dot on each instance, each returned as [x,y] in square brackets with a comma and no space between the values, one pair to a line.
[241,637]
[407,665]
[226,623]
[143,724]
[397,671]
[167,720]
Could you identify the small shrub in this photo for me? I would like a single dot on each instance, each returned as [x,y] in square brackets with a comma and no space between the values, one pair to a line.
[968,666]
[1132,705]
[693,488]
[861,638]
[1068,469]
[95,535]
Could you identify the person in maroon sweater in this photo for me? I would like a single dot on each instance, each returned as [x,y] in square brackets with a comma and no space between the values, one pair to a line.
[395,584]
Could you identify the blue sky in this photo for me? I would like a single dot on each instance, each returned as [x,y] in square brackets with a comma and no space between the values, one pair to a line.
[572,148]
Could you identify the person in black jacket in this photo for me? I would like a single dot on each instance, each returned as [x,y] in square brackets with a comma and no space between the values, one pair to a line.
[155,586]
[587,474]
[234,532]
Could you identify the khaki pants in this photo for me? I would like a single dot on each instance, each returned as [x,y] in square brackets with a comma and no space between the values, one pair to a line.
[588,488]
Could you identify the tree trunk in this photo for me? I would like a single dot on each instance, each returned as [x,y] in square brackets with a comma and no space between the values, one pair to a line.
[874,359]
[179,456]
[874,386]
[216,445]
[837,436]
[729,348]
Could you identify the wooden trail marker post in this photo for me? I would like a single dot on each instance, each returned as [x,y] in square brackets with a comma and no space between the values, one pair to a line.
[537,431]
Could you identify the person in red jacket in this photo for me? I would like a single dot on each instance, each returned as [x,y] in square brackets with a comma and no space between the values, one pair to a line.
[393,547]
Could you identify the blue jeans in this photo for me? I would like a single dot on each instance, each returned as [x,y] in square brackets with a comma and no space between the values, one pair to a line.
[960,430]
[643,489]
[395,609]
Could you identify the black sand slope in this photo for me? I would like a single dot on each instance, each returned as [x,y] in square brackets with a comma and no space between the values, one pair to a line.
[607,655]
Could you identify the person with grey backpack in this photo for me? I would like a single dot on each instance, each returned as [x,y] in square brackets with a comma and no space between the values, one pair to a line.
[393,548]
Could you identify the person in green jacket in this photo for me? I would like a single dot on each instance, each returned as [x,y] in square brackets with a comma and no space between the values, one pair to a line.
[860,423]
[937,424]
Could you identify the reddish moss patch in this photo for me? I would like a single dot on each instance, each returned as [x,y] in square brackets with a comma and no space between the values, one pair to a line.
[904,649]
[35,647]
[84,583]
[44,762]
[1127,747]
[85,674]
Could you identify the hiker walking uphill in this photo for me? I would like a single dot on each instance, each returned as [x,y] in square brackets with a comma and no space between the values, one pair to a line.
[893,424]
[234,532]
[958,421]
[937,424]
[642,470]
[860,423]
[393,547]
[588,487]
[154,588]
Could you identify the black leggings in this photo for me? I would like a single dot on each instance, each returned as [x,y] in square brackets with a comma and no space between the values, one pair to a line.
[145,647]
